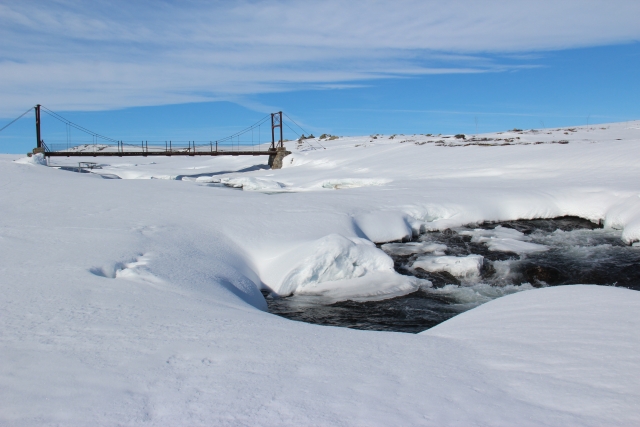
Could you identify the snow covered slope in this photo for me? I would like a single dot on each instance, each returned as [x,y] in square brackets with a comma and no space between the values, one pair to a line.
[135,301]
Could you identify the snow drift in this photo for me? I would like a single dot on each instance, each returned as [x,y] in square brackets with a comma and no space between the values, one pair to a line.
[36,159]
[337,267]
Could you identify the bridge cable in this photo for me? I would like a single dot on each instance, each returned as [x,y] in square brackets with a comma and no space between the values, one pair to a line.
[15,120]
[70,123]
[301,128]
[258,123]
[300,136]
[74,125]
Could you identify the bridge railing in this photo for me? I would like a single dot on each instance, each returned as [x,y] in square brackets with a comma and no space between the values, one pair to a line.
[166,147]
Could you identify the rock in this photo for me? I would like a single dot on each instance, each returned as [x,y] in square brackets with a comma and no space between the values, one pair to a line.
[275,160]
[536,274]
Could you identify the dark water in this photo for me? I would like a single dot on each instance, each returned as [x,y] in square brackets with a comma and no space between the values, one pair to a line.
[577,251]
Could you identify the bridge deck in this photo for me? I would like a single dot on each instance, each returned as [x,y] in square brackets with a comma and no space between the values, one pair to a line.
[154,153]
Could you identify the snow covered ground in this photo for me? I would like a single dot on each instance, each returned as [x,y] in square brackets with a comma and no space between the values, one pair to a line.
[136,300]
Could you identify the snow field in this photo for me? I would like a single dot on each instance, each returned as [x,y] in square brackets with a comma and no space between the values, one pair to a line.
[136,301]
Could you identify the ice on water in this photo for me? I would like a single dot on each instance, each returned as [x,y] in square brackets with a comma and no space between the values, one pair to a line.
[464,267]
[504,240]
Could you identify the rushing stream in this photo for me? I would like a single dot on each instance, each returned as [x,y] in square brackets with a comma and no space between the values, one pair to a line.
[471,265]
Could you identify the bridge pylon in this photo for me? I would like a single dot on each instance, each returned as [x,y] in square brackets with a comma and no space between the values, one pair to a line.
[39,148]
[276,122]
[277,148]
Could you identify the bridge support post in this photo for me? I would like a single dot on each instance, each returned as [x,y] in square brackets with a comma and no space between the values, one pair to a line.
[38,139]
[276,122]
[39,148]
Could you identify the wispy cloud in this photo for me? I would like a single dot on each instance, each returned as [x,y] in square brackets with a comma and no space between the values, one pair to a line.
[101,55]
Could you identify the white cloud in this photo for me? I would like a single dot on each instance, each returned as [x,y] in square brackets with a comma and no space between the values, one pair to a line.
[93,55]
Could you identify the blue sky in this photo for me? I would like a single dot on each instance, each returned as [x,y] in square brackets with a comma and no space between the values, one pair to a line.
[202,70]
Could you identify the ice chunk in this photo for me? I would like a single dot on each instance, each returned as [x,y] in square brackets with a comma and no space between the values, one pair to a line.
[463,267]
[207,179]
[480,235]
[503,239]
[516,246]
[167,177]
[410,248]
[253,184]
[373,286]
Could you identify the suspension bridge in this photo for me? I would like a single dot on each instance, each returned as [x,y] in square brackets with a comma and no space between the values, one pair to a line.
[246,142]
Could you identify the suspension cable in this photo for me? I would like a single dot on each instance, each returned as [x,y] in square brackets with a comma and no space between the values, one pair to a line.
[70,123]
[15,120]
[260,122]
[293,121]
[300,136]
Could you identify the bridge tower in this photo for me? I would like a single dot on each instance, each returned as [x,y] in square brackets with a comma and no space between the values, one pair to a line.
[276,122]
[39,148]
[38,139]
[279,152]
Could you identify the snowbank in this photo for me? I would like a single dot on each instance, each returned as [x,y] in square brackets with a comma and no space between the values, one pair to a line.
[384,226]
[339,268]
[37,159]
[559,347]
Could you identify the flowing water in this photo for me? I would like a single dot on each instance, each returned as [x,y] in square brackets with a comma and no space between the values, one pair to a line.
[471,265]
